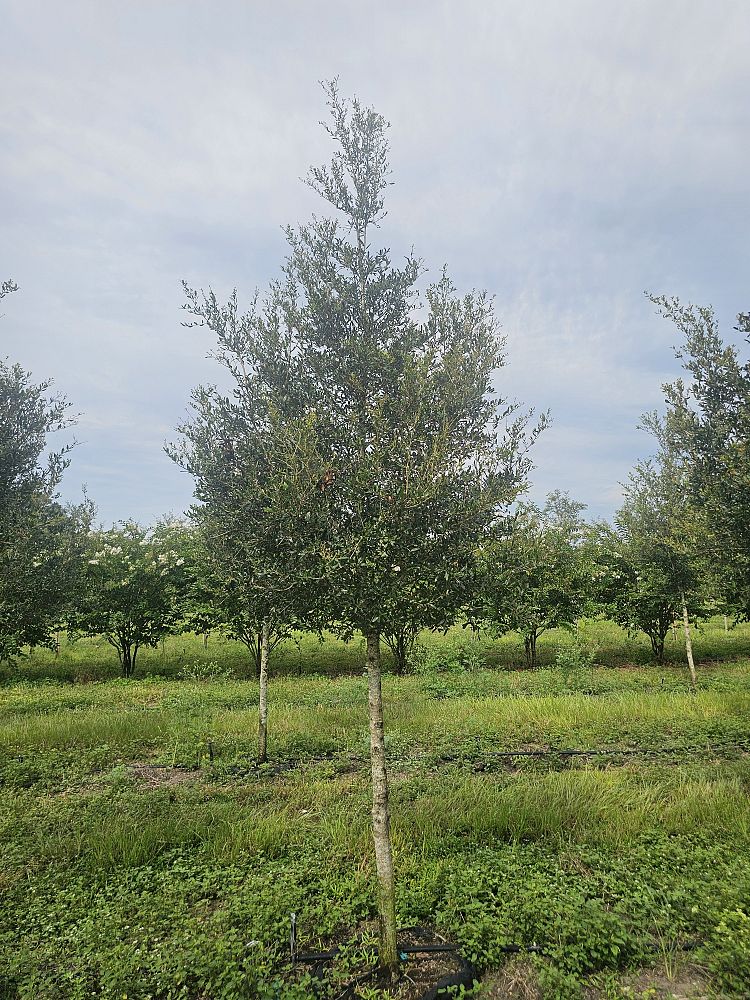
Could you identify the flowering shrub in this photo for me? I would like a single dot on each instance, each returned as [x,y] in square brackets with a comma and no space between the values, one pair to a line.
[135,580]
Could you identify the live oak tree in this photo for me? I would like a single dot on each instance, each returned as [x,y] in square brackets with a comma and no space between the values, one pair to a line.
[706,430]
[135,580]
[256,474]
[535,574]
[652,572]
[215,599]
[386,451]
[41,539]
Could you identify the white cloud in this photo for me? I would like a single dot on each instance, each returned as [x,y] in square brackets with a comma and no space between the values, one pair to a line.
[565,156]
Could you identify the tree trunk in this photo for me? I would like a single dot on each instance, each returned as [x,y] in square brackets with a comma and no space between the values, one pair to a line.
[657,646]
[726,625]
[381,824]
[126,659]
[205,640]
[688,643]
[263,697]
[257,651]
[529,647]
[400,652]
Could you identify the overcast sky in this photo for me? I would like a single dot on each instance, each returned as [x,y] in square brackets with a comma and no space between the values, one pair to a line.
[566,155]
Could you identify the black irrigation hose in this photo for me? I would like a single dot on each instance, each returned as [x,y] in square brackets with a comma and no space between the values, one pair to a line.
[465,975]
[423,949]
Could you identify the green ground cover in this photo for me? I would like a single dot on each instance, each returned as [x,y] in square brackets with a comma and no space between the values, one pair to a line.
[305,655]
[145,855]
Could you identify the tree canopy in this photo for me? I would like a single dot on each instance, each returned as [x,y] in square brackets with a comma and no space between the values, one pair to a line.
[41,539]
[705,430]
[534,571]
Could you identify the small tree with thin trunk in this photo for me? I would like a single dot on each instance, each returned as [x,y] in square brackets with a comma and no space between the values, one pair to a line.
[658,571]
[41,540]
[535,573]
[256,476]
[381,453]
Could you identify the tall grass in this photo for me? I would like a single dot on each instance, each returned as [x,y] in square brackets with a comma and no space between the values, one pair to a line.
[179,719]
[608,807]
[305,656]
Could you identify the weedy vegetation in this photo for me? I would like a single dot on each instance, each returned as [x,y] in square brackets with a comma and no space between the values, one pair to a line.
[147,854]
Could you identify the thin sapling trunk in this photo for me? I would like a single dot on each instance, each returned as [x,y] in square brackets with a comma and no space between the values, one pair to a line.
[263,697]
[381,824]
[529,647]
[688,643]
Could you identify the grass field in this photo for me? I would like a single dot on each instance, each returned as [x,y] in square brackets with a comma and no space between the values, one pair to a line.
[145,855]
[304,655]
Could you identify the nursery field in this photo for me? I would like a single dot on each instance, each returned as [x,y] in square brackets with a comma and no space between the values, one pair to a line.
[146,855]
[90,659]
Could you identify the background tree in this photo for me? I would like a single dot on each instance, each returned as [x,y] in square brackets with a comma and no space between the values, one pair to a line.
[215,599]
[401,641]
[135,580]
[535,574]
[651,571]
[256,483]
[705,431]
[41,540]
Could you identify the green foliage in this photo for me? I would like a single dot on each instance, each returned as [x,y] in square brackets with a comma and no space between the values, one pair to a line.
[41,541]
[727,952]
[442,666]
[375,435]
[89,659]
[535,574]
[134,864]
[575,663]
[457,655]
[649,565]
[200,670]
[705,431]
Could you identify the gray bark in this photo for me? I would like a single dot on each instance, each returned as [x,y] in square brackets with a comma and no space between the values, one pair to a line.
[688,643]
[381,824]
[263,697]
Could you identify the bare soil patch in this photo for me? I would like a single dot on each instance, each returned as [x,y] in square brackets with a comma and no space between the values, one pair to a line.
[154,776]
[517,980]
[687,982]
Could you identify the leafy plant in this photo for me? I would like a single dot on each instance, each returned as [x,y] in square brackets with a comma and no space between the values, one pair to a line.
[200,670]
[727,953]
